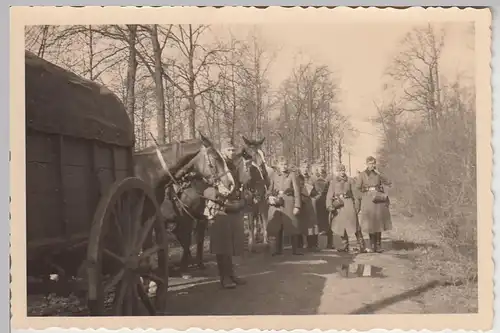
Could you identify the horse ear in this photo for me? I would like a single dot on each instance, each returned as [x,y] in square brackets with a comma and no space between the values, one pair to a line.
[247,142]
[204,140]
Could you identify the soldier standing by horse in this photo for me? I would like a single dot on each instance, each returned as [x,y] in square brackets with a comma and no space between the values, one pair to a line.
[340,198]
[308,218]
[320,182]
[227,231]
[285,204]
[375,214]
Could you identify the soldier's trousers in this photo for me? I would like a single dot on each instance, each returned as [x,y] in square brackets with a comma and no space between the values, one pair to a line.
[376,241]
[225,265]
[296,242]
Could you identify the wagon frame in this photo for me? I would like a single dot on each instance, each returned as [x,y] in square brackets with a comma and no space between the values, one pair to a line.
[88,217]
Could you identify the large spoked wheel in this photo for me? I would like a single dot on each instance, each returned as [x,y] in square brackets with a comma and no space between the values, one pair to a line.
[127,255]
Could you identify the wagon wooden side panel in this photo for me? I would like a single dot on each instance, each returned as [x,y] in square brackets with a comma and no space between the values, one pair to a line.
[79,141]
[88,217]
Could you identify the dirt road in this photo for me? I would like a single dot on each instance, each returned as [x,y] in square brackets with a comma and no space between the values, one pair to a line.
[315,283]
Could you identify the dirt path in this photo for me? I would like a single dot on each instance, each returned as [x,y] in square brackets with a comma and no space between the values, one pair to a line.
[315,283]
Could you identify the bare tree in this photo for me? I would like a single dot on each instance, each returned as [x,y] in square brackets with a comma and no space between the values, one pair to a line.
[416,69]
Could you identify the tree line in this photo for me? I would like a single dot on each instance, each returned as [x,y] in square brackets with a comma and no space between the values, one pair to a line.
[174,79]
[429,145]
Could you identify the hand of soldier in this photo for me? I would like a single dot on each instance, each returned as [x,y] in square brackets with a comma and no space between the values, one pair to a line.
[296,211]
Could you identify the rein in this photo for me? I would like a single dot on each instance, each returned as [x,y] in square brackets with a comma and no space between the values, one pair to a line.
[173,179]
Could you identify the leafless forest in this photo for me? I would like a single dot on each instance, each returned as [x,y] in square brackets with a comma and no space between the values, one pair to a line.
[174,79]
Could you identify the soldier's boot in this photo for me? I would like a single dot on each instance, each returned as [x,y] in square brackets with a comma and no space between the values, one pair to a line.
[373,242]
[295,242]
[300,242]
[230,272]
[225,281]
[329,240]
[378,241]
[315,243]
[361,242]
[278,243]
[312,243]
[345,242]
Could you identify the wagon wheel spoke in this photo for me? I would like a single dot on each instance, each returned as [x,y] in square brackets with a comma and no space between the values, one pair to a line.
[114,280]
[144,233]
[137,215]
[130,299]
[120,296]
[149,252]
[128,239]
[113,255]
[145,298]
[116,223]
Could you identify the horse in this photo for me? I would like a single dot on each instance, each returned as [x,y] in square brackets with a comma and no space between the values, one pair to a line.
[195,165]
[258,214]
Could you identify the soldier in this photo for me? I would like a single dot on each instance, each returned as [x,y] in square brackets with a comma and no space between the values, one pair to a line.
[284,207]
[340,197]
[321,181]
[375,214]
[308,218]
[227,231]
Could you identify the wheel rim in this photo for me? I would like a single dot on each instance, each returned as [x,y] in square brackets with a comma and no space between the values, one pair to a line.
[128,243]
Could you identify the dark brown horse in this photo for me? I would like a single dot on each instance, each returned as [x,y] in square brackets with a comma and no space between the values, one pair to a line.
[258,213]
[191,167]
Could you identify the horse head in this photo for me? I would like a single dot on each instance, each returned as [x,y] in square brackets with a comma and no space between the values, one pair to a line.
[253,148]
[211,166]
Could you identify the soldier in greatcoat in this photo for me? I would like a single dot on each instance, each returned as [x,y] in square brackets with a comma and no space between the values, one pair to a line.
[340,197]
[320,181]
[374,215]
[227,231]
[307,218]
[284,207]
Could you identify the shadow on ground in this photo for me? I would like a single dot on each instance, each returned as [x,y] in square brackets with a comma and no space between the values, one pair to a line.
[378,305]
[282,285]
[402,245]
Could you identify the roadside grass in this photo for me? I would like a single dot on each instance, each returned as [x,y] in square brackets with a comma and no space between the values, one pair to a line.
[436,259]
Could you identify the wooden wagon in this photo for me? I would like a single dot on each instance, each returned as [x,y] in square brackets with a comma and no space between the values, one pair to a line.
[88,218]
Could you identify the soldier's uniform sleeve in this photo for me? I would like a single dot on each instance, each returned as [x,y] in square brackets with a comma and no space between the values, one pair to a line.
[384,180]
[270,189]
[296,190]
[358,186]
[357,193]
[329,195]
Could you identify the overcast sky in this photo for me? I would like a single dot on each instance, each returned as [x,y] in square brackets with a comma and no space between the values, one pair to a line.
[358,53]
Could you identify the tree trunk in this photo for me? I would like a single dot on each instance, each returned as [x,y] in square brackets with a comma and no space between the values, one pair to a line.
[159,92]
[131,74]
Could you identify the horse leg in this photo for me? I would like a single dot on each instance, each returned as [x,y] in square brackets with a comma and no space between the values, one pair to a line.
[251,232]
[264,219]
[183,233]
[201,228]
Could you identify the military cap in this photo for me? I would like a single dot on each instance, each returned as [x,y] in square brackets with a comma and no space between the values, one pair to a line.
[371,159]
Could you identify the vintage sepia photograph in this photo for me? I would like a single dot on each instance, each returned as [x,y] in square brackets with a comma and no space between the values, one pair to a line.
[282,167]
